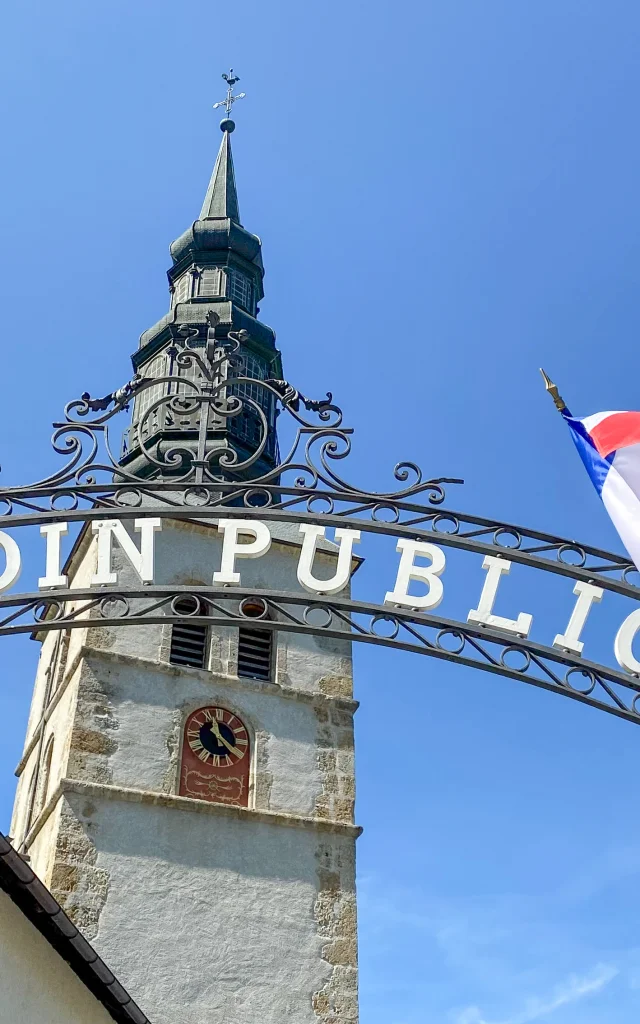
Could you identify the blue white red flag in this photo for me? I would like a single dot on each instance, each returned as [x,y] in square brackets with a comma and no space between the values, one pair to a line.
[609,446]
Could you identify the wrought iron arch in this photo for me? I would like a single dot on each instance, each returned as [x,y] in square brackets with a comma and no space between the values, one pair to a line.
[195,479]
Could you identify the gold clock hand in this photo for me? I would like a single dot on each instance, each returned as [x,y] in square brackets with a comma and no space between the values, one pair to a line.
[215,728]
[230,747]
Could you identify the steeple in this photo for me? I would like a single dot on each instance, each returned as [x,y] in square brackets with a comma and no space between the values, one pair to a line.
[216,276]
[218,240]
[221,199]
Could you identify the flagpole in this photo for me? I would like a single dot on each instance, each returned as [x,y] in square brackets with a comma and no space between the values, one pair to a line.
[552,388]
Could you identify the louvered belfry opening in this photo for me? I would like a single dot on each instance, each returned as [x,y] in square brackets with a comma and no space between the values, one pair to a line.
[254,653]
[188,639]
[255,646]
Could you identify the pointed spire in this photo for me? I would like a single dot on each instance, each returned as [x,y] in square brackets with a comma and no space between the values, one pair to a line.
[221,199]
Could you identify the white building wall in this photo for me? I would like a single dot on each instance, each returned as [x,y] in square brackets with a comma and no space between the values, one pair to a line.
[36,985]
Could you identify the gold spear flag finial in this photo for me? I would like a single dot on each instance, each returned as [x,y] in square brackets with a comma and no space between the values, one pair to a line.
[553,391]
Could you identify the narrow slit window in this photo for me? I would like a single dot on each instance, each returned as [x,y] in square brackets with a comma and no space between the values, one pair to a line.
[255,653]
[188,639]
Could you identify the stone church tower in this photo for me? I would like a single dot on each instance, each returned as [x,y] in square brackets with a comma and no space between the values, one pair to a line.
[185,791]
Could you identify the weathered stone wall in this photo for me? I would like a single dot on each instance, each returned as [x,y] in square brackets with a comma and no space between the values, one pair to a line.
[335,915]
[205,912]
[215,913]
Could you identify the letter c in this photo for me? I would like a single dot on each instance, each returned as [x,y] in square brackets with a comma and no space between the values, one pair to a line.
[623,646]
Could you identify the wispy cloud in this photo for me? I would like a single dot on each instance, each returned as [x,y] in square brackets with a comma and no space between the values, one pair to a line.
[573,989]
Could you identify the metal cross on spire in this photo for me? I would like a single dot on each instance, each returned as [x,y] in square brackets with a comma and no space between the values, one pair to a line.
[229,99]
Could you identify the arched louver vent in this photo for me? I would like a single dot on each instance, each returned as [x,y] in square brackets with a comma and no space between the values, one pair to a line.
[188,639]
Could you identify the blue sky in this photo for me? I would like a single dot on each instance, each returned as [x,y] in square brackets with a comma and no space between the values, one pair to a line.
[448,198]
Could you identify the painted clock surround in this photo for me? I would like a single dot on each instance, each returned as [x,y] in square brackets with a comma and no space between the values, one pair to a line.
[216,756]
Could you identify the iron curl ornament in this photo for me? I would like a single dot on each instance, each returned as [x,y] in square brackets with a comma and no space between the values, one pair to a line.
[182,457]
[598,686]
[202,445]
[183,436]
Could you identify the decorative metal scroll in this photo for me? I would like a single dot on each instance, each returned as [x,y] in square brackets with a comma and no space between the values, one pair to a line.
[184,460]
[189,463]
[182,433]
[369,513]
[423,633]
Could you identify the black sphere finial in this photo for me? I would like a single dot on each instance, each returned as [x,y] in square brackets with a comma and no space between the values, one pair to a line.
[227,125]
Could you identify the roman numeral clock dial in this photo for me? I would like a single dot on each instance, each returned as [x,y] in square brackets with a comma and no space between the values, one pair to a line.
[215,757]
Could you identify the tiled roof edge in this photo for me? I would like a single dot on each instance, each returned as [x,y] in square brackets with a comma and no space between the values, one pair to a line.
[35,901]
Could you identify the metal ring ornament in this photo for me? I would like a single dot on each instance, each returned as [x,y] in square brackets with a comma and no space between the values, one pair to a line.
[197,497]
[128,497]
[457,634]
[515,649]
[575,549]
[182,599]
[257,492]
[444,517]
[48,609]
[591,676]
[385,507]
[255,601]
[311,609]
[114,599]
[376,620]
[507,531]
[58,500]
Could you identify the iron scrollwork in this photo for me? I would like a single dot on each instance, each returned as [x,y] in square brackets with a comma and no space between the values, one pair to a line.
[181,426]
[120,398]
[423,633]
[188,464]
[208,384]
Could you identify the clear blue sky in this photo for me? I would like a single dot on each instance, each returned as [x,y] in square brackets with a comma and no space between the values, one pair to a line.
[448,199]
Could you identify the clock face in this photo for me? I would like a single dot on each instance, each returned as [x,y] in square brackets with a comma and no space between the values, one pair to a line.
[217,737]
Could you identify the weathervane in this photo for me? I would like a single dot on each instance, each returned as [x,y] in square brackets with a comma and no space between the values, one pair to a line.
[230,99]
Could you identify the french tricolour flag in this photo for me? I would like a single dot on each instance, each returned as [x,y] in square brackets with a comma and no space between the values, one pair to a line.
[609,446]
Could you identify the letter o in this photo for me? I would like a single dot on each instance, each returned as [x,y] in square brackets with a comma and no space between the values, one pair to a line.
[14,561]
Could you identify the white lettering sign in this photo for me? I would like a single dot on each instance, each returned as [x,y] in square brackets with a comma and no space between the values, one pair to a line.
[232,529]
[142,560]
[623,644]
[14,561]
[421,564]
[587,595]
[53,534]
[496,568]
[312,534]
[408,571]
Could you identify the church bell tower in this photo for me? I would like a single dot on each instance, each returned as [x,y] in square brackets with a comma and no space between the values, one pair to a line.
[187,790]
